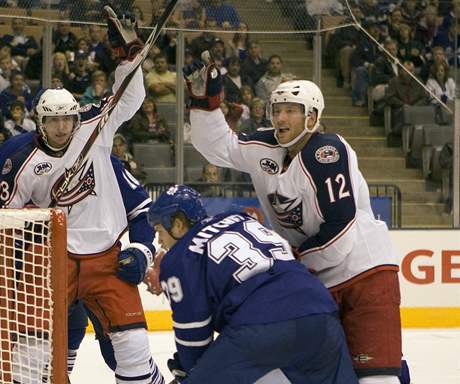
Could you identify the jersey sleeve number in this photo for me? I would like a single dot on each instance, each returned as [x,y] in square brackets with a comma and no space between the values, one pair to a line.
[240,249]
[343,192]
[173,289]
[4,191]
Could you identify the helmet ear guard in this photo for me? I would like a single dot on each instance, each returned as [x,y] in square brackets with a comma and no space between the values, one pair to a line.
[301,92]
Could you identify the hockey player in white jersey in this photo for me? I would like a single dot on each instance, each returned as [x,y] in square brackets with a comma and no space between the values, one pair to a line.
[315,196]
[96,216]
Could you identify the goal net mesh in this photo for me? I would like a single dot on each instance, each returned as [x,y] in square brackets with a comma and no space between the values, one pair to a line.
[27,297]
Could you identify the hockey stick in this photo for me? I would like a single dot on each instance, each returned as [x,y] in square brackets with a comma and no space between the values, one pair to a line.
[65,179]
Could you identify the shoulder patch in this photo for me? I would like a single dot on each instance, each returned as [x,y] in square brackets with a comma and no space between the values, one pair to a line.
[327,154]
[270,166]
[7,167]
[43,168]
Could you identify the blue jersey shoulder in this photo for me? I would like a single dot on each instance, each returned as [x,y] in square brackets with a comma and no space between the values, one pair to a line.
[90,111]
[262,136]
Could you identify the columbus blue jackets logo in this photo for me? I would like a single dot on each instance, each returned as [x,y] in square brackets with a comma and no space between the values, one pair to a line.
[81,186]
[327,154]
[288,210]
[43,168]
[270,166]
[7,167]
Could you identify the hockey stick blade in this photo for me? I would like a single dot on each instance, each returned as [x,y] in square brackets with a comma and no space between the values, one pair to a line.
[70,173]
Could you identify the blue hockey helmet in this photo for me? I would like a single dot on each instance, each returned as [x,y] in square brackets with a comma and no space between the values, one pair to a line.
[178,198]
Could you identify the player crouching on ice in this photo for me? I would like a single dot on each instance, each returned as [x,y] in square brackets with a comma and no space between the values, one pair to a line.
[230,274]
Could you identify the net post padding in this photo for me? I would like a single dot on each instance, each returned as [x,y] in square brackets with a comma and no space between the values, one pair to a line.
[33,291]
[59,284]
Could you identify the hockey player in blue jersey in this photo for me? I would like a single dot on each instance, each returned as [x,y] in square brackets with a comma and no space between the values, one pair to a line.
[231,275]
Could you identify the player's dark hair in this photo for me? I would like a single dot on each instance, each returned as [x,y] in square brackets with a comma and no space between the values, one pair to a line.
[181,216]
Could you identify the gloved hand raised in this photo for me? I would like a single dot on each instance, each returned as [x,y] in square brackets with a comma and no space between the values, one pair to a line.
[204,83]
[122,33]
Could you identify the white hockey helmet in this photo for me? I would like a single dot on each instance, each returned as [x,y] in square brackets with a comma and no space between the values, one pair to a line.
[302,92]
[56,102]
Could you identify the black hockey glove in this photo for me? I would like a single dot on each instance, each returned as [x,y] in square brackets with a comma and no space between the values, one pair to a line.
[133,263]
[176,369]
[123,36]
[204,83]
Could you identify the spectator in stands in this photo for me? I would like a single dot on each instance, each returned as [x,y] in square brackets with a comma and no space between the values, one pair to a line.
[4,135]
[147,125]
[18,90]
[372,12]
[362,62]
[224,14]
[247,95]
[210,175]
[120,150]
[218,54]
[257,119]
[254,66]
[404,90]
[19,123]
[436,55]
[233,81]
[64,40]
[167,43]
[232,113]
[22,46]
[239,44]
[191,14]
[449,39]
[408,47]
[160,81]
[427,27]
[6,66]
[339,49]
[98,52]
[80,77]
[158,8]
[56,81]
[452,15]
[410,12]
[394,23]
[385,69]
[60,67]
[271,79]
[97,90]
[441,83]
[205,40]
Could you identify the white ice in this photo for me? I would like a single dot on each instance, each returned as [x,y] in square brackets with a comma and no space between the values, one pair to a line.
[433,356]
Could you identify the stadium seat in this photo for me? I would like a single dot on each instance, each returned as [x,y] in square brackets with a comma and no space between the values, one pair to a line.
[192,158]
[415,115]
[153,155]
[160,174]
[168,112]
[434,138]
[192,173]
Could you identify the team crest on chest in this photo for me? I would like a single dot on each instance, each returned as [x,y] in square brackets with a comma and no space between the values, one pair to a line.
[288,210]
[270,166]
[43,168]
[81,186]
[327,154]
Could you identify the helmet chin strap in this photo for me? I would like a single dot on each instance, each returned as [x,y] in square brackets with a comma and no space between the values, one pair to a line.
[299,136]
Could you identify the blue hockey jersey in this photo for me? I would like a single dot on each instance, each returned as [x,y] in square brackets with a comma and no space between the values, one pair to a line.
[231,270]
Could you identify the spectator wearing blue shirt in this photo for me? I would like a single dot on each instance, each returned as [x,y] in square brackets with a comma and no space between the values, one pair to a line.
[222,13]
[22,46]
[18,90]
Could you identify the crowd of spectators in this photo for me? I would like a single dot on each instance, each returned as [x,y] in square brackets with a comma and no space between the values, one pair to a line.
[422,39]
[83,63]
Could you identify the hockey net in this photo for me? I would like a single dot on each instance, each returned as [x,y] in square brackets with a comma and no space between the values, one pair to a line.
[33,296]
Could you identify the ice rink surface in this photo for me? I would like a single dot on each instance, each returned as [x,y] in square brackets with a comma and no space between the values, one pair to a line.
[433,356]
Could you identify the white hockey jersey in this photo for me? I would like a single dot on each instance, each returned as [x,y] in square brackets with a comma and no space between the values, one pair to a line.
[320,203]
[96,216]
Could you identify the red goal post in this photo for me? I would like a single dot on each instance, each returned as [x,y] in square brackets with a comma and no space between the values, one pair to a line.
[33,296]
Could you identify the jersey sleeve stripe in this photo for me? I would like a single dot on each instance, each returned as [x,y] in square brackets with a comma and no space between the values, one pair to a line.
[142,207]
[201,343]
[330,242]
[196,324]
[130,179]
[312,183]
